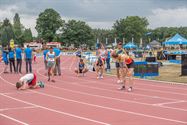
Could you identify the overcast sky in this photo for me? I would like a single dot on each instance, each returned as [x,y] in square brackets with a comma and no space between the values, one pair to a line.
[99,13]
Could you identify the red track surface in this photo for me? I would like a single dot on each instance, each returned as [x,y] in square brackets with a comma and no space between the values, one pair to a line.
[87,101]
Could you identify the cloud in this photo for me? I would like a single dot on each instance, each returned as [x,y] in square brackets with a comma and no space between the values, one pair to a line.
[29,22]
[101,25]
[8,12]
[168,17]
[98,13]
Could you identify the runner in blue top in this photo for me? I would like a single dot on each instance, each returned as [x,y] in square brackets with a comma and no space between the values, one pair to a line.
[12,59]
[28,58]
[57,65]
[5,59]
[19,59]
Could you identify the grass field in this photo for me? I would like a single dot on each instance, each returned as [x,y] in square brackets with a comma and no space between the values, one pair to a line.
[169,73]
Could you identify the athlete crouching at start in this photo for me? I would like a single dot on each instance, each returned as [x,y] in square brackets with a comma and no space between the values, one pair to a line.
[28,81]
[99,66]
[82,68]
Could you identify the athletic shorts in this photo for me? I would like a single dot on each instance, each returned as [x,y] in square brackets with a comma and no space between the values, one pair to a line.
[50,64]
[80,70]
[78,56]
[120,65]
[33,82]
[131,65]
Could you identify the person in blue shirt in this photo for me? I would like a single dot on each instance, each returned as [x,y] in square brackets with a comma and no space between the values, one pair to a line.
[5,59]
[45,51]
[28,58]
[12,59]
[19,59]
[108,60]
[57,66]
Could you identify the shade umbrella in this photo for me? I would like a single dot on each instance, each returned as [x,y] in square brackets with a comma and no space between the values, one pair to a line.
[130,45]
[155,44]
[176,40]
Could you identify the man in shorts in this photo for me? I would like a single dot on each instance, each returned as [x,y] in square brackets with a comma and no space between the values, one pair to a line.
[118,51]
[28,81]
[57,69]
[51,57]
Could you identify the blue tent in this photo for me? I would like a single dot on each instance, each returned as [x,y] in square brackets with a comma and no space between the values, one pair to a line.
[176,40]
[130,45]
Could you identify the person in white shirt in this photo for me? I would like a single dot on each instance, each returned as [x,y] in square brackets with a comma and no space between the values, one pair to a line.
[28,81]
[50,57]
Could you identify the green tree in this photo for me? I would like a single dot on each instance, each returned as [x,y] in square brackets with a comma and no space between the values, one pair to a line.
[27,35]
[102,34]
[7,32]
[77,33]
[131,26]
[18,29]
[48,23]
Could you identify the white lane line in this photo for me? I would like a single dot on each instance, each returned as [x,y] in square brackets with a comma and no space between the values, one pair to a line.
[165,103]
[167,107]
[163,106]
[11,93]
[13,119]
[151,90]
[17,108]
[98,106]
[56,111]
[111,98]
[103,83]
[49,109]
[113,109]
[87,86]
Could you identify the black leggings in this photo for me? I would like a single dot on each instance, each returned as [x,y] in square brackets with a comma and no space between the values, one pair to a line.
[19,64]
[12,63]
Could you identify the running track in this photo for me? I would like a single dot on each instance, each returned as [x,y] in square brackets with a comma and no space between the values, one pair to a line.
[87,101]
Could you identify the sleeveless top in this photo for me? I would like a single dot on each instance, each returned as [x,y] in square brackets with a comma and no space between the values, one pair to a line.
[81,66]
[99,62]
[119,52]
[128,60]
[102,53]
[51,56]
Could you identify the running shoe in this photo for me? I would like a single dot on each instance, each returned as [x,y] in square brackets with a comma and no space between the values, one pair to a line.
[52,80]
[41,84]
[122,88]
[119,81]
[129,89]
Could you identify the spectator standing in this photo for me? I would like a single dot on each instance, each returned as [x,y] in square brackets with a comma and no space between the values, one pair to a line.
[28,59]
[12,59]
[57,66]
[5,59]
[19,59]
